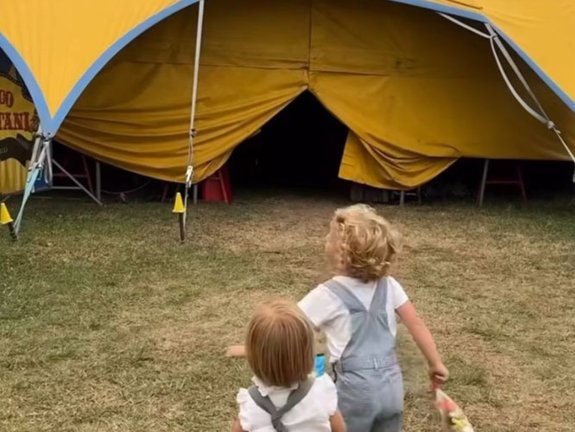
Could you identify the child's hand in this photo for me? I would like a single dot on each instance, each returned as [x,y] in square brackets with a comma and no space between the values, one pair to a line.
[438,374]
[236,351]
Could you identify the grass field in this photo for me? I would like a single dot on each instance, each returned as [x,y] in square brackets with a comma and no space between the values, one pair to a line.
[107,323]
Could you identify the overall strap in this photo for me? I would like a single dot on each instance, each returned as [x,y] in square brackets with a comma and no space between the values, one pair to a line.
[351,302]
[265,403]
[379,300]
[371,346]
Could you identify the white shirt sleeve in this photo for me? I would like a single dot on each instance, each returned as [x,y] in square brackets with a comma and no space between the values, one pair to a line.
[247,411]
[320,306]
[328,393]
[398,297]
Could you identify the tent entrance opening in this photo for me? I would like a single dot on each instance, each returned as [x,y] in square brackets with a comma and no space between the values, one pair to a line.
[301,147]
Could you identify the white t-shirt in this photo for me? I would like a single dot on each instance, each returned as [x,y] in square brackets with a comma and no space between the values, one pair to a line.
[311,414]
[328,313]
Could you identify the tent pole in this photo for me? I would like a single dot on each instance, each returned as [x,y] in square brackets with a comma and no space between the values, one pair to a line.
[37,142]
[197,54]
[192,134]
[199,34]
[40,159]
[98,181]
[77,183]
[483,182]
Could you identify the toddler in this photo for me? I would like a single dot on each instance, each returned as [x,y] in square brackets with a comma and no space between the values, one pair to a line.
[286,396]
[356,309]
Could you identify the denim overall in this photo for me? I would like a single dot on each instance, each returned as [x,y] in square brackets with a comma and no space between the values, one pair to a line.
[368,377]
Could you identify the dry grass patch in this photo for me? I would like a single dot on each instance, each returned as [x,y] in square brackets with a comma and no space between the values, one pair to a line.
[108,324]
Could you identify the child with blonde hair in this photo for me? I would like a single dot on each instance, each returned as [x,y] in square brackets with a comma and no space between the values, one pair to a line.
[285,397]
[356,309]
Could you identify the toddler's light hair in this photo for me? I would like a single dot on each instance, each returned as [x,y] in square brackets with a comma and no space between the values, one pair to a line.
[361,244]
[280,344]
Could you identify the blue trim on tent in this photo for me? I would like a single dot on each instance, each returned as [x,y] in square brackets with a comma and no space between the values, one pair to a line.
[28,78]
[444,9]
[50,124]
[481,18]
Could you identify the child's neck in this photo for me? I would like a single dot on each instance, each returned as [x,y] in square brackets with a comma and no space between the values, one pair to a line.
[347,275]
[343,274]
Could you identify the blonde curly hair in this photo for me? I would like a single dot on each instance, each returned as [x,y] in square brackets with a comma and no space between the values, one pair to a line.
[361,244]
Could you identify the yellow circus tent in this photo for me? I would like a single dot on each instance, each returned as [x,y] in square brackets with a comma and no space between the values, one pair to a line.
[418,83]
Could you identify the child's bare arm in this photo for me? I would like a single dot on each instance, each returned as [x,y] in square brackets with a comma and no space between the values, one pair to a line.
[236,351]
[424,340]
[236,426]
[336,422]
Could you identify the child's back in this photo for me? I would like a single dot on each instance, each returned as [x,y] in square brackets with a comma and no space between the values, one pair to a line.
[311,413]
[360,325]
[325,304]
[285,397]
[356,309]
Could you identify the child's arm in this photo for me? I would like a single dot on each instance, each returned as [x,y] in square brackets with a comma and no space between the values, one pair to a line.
[236,426]
[236,351]
[424,340]
[336,422]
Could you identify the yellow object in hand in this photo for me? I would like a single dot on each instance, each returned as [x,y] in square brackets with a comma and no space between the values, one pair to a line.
[452,417]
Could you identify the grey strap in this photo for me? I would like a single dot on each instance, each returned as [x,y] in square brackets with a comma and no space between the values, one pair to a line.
[351,302]
[265,403]
[379,300]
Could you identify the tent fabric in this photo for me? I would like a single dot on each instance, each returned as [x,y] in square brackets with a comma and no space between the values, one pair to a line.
[141,123]
[413,103]
[58,46]
[541,32]
[416,103]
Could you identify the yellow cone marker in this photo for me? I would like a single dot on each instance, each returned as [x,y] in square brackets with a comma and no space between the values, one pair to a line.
[5,217]
[180,210]
[179,204]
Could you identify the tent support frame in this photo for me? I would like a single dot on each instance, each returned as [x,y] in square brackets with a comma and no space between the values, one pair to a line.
[79,186]
[42,160]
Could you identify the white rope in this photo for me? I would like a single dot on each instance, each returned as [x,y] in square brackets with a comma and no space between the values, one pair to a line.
[560,136]
[192,135]
[543,118]
[495,38]
[516,95]
[465,26]
[540,115]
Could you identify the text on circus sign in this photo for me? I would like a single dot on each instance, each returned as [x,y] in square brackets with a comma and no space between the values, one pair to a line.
[23,121]
[6,98]
[15,121]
